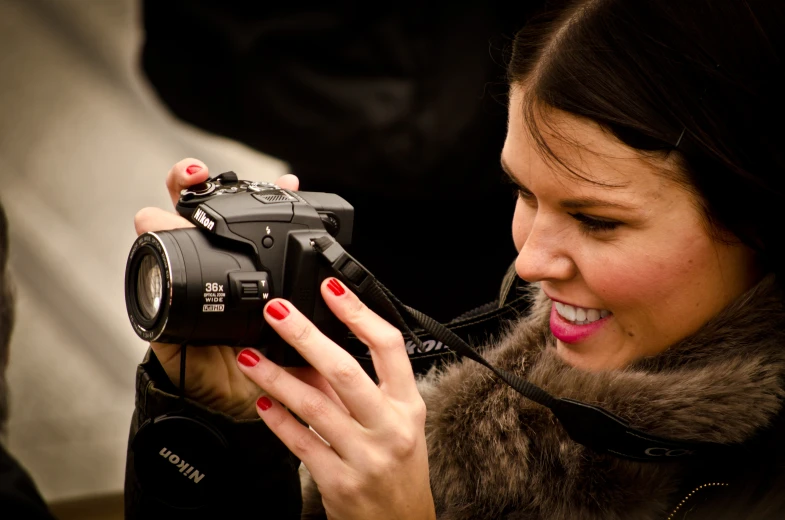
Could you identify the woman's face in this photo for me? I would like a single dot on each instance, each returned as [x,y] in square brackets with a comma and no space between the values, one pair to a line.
[630,269]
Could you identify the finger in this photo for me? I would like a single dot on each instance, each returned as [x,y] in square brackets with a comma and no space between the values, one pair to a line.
[288,182]
[388,350]
[310,376]
[356,390]
[311,405]
[183,174]
[306,445]
[156,219]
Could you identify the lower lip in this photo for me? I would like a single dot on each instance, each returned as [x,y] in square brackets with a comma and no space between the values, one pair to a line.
[570,332]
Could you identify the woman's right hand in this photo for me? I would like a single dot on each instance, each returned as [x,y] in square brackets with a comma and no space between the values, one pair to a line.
[212,377]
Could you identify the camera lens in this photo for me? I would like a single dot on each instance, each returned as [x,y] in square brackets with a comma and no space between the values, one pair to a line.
[147,284]
[180,287]
[149,287]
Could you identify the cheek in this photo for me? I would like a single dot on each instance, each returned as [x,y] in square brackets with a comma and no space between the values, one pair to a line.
[652,282]
[521,224]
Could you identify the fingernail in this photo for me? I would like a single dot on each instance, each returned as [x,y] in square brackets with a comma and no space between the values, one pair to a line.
[336,287]
[264,403]
[194,168]
[248,358]
[277,310]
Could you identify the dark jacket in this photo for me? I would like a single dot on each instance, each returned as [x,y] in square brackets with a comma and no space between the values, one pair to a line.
[400,109]
[496,455]
[19,496]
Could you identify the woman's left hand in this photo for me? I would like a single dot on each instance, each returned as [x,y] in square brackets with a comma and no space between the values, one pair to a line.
[376,462]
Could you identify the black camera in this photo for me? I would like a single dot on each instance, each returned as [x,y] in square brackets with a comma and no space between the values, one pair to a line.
[253,241]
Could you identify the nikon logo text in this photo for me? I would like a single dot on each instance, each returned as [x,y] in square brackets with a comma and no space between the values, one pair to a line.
[202,218]
[665,452]
[186,469]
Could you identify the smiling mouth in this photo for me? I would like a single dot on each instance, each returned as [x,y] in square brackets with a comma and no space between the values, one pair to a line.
[580,315]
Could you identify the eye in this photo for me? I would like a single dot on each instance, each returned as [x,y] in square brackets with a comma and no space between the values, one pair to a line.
[594,225]
[524,194]
[519,191]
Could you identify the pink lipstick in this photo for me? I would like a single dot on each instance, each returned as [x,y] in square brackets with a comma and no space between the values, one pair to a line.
[569,332]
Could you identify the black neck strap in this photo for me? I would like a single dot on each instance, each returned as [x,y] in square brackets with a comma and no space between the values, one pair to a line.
[589,425]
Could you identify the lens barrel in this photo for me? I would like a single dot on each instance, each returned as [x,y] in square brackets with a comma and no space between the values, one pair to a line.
[183,286]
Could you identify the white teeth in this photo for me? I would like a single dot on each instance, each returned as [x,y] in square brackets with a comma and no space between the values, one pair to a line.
[566,311]
[579,315]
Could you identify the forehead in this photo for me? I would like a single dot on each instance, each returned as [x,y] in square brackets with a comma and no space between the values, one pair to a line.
[583,154]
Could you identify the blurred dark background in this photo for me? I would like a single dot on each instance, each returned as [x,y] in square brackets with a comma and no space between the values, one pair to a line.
[402,112]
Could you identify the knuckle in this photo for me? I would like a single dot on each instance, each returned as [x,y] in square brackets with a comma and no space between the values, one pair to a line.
[405,444]
[391,340]
[278,421]
[304,442]
[271,375]
[304,333]
[347,488]
[348,372]
[356,311]
[142,220]
[419,411]
[314,406]
[378,466]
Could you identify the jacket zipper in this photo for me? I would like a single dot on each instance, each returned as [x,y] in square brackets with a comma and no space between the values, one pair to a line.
[692,493]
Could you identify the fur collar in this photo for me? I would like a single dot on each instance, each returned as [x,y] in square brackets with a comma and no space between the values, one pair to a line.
[495,454]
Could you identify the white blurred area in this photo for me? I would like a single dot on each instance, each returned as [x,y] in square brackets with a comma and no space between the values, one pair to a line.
[84,144]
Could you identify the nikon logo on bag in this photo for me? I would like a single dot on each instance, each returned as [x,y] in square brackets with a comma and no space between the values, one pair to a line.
[186,469]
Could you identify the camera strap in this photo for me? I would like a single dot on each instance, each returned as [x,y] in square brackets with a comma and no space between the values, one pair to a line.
[586,424]
[477,327]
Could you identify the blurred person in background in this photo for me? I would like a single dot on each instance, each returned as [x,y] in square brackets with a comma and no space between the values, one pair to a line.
[19,496]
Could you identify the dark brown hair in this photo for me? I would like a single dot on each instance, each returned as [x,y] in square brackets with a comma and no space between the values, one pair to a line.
[701,79]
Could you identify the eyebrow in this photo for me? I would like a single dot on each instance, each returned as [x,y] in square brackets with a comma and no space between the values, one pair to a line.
[579,203]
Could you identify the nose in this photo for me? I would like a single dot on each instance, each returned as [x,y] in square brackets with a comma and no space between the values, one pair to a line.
[545,254]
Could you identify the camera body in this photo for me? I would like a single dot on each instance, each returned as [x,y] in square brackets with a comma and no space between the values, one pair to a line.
[252,242]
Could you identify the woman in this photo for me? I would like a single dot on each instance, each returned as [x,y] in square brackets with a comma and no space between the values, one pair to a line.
[647,196]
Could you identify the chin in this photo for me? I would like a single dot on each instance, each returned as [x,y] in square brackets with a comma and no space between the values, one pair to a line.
[583,357]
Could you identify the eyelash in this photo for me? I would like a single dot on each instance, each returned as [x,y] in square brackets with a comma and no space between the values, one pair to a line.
[588,224]
[520,194]
[594,225]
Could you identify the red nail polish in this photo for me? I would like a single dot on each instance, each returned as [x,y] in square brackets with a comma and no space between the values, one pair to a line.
[248,358]
[194,168]
[277,310]
[264,403]
[336,287]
